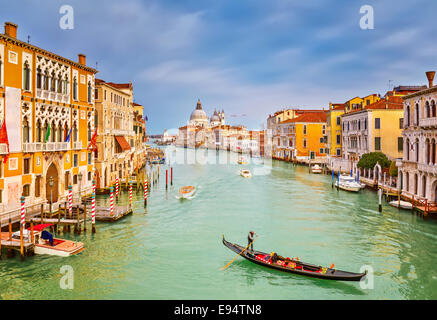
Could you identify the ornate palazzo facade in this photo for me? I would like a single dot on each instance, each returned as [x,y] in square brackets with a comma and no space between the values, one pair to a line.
[47,103]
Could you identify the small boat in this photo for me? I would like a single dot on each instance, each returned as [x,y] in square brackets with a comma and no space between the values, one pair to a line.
[45,243]
[187,191]
[294,265]
[245,173]
[348,183]
[316,169]
[242,161]
[401,204]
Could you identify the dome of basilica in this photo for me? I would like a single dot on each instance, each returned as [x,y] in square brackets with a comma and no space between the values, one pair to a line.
[199,114]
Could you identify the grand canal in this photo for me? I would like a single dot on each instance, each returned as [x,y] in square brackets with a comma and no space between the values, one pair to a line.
[174,251]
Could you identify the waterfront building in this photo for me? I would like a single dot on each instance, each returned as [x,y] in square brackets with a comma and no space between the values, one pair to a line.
[307,136]
[47,105]
[419,164]
[333,128]
[116,136]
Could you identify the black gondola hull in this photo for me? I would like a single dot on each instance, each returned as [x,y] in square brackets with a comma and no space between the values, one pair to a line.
[331,274]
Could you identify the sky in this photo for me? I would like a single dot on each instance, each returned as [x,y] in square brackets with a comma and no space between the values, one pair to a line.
[248,57]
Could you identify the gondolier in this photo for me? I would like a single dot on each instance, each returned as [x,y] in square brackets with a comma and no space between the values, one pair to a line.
[250,239]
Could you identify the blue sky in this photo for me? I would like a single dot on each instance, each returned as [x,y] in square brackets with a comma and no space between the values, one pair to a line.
[248,57]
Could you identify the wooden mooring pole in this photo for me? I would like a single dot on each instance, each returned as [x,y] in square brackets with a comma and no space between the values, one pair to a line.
[380,200]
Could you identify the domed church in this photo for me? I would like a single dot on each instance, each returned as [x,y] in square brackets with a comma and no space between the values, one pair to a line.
[199,118]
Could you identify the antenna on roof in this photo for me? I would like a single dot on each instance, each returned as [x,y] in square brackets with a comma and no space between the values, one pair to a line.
[97,64]
[28,38]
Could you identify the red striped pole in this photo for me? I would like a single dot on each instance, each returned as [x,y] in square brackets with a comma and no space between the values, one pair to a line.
[23,215]
[116,189]
[70,200]
[111,201]
[22,227]
[130,194]
[171,179]
[145,192]
[93,207]
[166,179]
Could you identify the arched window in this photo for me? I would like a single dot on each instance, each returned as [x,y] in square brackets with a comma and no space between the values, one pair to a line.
[53,82]
[25,130]
[407,116]
[424,186]
[89,131]
[44,132]
[65,85]
[416,184]
[66,132]
[26,77]
[433,108]
[407,149]
[417,115]
[427,150]
[89,92]
[433,151]
[60,83]
[60,137]
[46,80]
[38,78]
[416,148]
[53,131]
[428,114]
[74,88]
[38,131]
[407,182]
[74,132]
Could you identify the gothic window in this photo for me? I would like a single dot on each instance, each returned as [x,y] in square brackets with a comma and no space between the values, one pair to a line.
[25,130]
[66,85]
[428,114]
[74,132]
[26,77]
[60,133]
[38,131]
[53,82]
[407,116]
[74,88]
[44,132]
[417,115]
[89,92]
[46,80]
[433,108]
[38,78]
[53,132]
[60,83]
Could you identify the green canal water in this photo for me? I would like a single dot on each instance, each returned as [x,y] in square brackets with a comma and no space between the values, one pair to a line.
[173,250]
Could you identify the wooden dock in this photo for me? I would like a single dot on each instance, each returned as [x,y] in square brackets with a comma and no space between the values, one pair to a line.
[15,245]
[104,213]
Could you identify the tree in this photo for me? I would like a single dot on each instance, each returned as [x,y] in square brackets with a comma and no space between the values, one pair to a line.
[393,169]
[369,160]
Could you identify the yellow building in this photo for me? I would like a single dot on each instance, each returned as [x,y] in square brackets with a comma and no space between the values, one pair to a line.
[333,128]
[47,103]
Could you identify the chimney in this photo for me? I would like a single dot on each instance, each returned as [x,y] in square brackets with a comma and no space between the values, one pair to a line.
[430,75]
[82,59]
[11,29]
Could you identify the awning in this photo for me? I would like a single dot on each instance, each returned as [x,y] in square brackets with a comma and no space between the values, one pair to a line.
[123,143]
[40,227]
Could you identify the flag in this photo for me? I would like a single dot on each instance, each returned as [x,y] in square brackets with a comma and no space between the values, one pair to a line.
[93,141]
[48,133]
[4,138]
[68,136]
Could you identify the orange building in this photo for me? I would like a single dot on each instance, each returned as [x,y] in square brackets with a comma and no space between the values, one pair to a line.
[307,134]
[47,103]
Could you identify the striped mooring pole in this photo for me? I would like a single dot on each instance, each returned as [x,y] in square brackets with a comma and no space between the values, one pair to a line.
[130,194]
[116,189]
[166,179]
[145,192]
[111,201]
[93,207]
[70,200]
[171,179]
[22,224]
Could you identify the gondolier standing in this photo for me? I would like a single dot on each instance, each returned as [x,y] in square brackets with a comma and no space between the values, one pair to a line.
[250,239]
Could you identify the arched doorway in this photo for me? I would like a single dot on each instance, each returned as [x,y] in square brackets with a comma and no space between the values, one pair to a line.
[97,179]
[52,192]
[106,177]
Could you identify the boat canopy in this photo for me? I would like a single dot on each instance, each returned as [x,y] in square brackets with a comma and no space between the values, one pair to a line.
[40,227]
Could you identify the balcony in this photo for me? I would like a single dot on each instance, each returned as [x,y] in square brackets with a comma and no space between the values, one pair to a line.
[49,146]
[77,145]
[53,96]
[428,123]
[430,168]
[3,148]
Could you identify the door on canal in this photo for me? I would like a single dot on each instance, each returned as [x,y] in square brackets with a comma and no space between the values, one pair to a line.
[52,192]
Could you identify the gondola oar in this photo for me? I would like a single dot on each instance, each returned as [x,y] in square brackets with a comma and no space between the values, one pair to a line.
[238,254]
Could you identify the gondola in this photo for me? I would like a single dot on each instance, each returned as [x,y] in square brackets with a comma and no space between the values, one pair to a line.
[294,266]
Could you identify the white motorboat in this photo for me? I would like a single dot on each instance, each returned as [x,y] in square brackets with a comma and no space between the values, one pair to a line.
[348,183]
[187,191]
[401,204]
[245,173]
[316,169]
[242,161]
[45,243]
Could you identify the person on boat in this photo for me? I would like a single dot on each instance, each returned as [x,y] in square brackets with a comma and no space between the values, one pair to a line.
[45,235]
[250,239]
[273,257]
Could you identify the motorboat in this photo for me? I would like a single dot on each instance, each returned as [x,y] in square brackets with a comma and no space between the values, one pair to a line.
[45,243]
[348,183]
[316,169]
[187,191]
[242,161]
[401,204]
[245,173]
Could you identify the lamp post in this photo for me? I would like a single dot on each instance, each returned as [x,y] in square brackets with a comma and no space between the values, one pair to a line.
[51,182]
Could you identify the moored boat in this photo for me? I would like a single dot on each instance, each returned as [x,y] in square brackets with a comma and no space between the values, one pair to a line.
[294,266]
[187,191]
[402,204]
[316,169]
[242,161]
[348,183]
[245,173]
